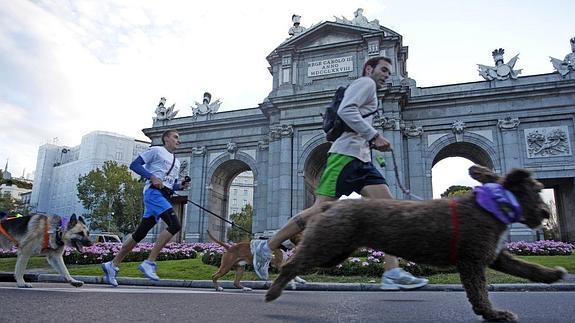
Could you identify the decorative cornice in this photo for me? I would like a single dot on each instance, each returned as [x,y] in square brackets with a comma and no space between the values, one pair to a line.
[199,151]
[263,144]
[508,123]
[232,147]
[280,131]
[412,131]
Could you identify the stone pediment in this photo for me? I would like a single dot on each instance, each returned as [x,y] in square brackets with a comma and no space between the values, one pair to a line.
[331,33]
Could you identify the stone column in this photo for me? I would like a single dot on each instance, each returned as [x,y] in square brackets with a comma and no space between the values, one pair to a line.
[196,221]
[279,176]
[509,146]
[261,192]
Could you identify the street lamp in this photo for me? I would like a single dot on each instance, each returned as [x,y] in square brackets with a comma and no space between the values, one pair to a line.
[110,220]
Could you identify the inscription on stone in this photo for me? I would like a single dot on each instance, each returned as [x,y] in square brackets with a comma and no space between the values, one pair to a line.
[547,142]
[330,66]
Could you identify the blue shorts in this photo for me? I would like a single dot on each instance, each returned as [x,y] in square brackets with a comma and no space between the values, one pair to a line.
[155,203]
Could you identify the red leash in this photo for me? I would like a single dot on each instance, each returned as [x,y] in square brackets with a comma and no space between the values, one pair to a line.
[455,231]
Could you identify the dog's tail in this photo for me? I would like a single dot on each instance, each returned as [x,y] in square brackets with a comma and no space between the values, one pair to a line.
[225,245]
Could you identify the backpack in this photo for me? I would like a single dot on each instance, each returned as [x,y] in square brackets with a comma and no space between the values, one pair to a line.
[333,125]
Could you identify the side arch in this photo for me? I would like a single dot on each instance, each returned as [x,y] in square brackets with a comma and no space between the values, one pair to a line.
[310,166]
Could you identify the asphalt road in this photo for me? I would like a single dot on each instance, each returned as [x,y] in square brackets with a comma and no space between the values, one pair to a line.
[51,302]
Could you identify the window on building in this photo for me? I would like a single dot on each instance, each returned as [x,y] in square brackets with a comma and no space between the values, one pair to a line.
[245,191]
[234,202]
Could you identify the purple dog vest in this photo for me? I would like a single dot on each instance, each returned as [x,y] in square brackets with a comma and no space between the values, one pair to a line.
[498,201]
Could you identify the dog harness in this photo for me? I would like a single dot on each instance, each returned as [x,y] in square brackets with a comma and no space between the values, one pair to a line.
[498,201]
[6,234]
[57,232]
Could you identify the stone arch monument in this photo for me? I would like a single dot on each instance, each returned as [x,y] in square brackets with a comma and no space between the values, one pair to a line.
[500,122]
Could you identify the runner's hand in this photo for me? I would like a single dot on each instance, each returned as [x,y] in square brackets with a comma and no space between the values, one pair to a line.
[156,182]
[380,143]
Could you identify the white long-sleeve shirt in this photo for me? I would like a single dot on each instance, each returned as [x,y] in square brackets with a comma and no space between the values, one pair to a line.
[359,99]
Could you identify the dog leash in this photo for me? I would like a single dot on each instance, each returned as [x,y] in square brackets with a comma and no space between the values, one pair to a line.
[217,216]
[170,192]
[398,181]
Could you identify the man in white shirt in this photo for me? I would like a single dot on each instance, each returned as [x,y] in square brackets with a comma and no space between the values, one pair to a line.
[349,169]
[160,167]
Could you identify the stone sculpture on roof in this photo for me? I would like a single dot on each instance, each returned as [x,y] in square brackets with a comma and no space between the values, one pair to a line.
[206,107]
[566,65]
[296,29]
[501,71]
[163,113]
[359,20]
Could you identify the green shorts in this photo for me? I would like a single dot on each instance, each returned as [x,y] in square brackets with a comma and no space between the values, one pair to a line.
[344,175]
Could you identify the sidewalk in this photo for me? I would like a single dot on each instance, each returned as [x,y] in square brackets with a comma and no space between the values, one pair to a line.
[565,285]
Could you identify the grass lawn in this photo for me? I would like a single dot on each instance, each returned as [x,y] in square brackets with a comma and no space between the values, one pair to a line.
[194,269]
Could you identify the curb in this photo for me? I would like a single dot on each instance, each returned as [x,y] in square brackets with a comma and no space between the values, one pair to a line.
[339,287]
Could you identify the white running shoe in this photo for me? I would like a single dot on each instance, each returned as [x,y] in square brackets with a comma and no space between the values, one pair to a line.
[262,256]
[149,269]
[397,278]
[110,272]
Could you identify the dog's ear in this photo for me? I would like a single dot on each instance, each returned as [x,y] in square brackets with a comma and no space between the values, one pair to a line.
[81,219]
[516,176]
[73,221]
[483,174]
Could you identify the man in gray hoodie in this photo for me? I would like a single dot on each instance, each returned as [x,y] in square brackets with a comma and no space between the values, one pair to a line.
[349,169]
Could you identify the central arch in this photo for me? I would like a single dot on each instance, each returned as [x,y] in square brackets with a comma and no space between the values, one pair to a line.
[221,175]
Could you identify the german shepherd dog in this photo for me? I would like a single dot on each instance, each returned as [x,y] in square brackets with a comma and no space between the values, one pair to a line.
[456,232]
[46,235]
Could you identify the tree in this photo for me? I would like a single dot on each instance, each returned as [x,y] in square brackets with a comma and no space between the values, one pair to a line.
[244,220]
[455,190]
[113,198]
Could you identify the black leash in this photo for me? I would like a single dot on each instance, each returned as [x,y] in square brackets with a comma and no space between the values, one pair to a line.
[169,193]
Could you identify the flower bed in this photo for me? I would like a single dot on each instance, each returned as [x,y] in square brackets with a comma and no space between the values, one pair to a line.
[540,248]
[102,252]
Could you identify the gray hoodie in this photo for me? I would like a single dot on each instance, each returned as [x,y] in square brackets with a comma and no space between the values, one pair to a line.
[360,99]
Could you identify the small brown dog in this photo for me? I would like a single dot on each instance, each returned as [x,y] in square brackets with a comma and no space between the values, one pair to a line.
[439,232]
[239,255]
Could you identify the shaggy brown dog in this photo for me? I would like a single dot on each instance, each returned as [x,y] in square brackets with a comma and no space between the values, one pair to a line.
[427,232]
[238,255]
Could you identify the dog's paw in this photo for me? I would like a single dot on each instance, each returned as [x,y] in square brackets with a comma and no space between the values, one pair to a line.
[24,285]
[562,271]
[300,280]
[500,316]
[246,289]
[220,289]
[76,283]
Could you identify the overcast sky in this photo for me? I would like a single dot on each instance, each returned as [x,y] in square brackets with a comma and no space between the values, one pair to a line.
[71,67]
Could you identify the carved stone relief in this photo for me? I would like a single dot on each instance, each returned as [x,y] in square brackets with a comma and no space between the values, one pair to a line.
[547,142]
[458,127]
[232,147]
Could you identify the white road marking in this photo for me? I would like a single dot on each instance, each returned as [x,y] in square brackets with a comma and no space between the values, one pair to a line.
[127,290]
